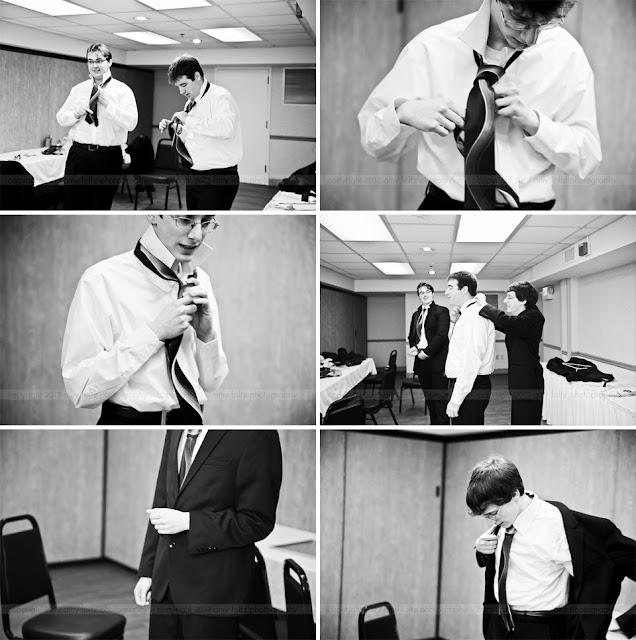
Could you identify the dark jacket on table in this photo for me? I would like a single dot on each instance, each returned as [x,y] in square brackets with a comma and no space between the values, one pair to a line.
[523,336]
[601,557]
[231,492]
[436,328]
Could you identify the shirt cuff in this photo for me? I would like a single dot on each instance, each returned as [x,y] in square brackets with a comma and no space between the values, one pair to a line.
[547,132]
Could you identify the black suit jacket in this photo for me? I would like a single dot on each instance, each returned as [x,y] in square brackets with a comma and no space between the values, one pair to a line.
[436,328]
[231,493]
[601,557]
[523,335]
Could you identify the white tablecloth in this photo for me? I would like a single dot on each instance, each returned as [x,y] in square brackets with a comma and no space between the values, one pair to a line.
[275,553]
[586,403]
[43,168]
[332,389]
[287,201]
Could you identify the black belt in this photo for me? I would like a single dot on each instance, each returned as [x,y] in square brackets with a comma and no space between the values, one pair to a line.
[536,617]
[453,380]
[94,147]
[435,192]
[117,414]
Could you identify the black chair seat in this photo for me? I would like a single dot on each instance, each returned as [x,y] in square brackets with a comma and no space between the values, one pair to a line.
[411,384]
[74,623]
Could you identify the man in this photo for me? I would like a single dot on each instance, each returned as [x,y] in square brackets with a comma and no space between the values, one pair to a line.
[216,496]
[550,572]
[143,337]
[522,322]
[471,353]
[545,106]
[428,339]
[100,112]
[208,137]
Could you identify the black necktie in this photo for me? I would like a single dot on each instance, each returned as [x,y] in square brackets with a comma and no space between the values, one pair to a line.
[184,389]
[478,145]
[92,103]
[177,143]
[186,458]
[504,563]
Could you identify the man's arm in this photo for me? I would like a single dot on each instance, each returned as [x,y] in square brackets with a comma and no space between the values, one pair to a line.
[122,107]
[523,326]
[66,115]
[440,338]
[252,518]
[222,122]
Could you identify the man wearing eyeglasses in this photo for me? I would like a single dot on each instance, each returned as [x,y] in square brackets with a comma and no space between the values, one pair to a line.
[207,136]
[100,112]
[550,572]
[545,106]
[143,338]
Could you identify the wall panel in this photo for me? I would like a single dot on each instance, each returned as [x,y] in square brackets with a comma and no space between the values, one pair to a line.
[342,315]
[56,476]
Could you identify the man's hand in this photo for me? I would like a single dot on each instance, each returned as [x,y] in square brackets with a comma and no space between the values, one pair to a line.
[202,318]
[436,115]
[169,521]
[511,105]
[163,124]
[454,314]
[413,351]
[481,300]
[421,355]
[452,410]
[81,110]
[180,116]
[487,542]
[142,591]
[102,99]
[174,318]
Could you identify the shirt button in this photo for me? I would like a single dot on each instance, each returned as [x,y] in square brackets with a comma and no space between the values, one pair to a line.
[171,545]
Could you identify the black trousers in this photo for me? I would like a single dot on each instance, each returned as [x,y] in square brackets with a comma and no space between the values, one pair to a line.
[91,178]
[526,411]
[116,414]
[174,622]
[437,199]
[472,410]
[212,190]
[435,387]
[551,628]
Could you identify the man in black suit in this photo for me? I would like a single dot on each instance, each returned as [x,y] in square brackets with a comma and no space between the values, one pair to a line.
[551,573]
[522,323]
[216,495]
[430,348]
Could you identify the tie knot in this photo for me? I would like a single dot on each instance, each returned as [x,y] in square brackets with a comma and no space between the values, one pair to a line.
[194,433]
[490,73]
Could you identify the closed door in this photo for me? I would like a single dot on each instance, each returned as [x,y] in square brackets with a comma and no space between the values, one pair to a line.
[250,88]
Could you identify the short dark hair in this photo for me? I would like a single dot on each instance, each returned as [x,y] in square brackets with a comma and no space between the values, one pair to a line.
[426,285]
[101,48]
[525,292]
[183,66]
[492,481]
[465,279]
[540,10]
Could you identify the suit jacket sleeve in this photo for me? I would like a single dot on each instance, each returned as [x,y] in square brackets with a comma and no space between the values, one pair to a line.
[152,537]
[412,333]
[523,325]
[622,550]
[252,518]
[437,342]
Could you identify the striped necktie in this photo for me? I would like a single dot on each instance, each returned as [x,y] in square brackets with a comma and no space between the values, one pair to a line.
[188,451]
[185,391]
[92,103]
[478,145]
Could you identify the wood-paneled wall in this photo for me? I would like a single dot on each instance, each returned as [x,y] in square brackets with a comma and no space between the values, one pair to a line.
[343,321]
[356,32]
[263,274]
[589,471]
[381,510]
[36,85]
[57,477]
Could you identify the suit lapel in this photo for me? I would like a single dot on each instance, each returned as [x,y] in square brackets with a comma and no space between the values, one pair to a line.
[212,438]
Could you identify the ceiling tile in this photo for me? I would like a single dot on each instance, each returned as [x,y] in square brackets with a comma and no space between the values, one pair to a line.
[541,234]
[376,247]
[334,247]
[201,13]
[96,19]
[424,218]
[43,22]
[11,11]
[556,220]
[602,221]
[259,9]
[342,257]
[263,21]
[524,249]
[414,247]
[424,233]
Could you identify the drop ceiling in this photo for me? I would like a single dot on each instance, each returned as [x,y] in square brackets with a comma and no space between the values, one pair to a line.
[274,21]
[537,238]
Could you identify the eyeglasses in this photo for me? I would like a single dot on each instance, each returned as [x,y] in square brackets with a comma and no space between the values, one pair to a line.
[184,223]
[523,26]
[98,61]
[492,516]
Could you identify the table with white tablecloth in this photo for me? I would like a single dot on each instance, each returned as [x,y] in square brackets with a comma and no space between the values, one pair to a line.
[289,201]
[334,388]
[43,168]
[296,544]
[587,403]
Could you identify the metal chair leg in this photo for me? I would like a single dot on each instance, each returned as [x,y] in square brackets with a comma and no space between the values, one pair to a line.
[391,412]
[401,392]
[412,398]
[178,193]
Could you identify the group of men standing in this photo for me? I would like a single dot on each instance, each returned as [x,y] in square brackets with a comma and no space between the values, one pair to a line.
[101,111]
[455,351]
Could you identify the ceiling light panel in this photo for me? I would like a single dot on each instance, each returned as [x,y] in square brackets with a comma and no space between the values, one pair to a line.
[146,37]
[488,227]
[352,227]
[232,34]
[52,7]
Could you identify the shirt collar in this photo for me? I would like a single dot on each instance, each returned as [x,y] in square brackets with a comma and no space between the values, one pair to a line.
[527,516]
[202,89]
[475,35]
[466,304]
[105,77]
[151,241]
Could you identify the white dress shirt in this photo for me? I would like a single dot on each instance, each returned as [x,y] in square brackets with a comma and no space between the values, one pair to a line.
[554,78]
[471,350]
[212,130]
[197,445]
[109,351]
[540,561]
[115,120]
